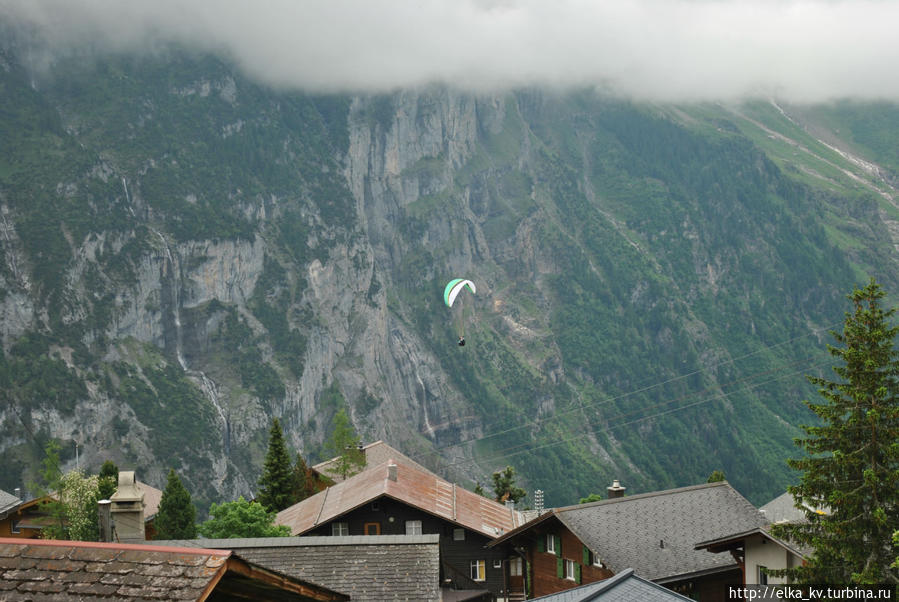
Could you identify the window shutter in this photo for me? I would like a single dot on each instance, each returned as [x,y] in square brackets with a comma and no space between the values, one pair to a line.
[560,568]
[577,572]
[541,543]
[558,541]
[527,576]
[585,557]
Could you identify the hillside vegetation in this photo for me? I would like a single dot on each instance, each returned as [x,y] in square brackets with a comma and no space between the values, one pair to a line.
[187,254]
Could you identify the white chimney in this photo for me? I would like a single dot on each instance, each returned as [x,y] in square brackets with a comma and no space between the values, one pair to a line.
[127,508]
[616,490]
[391,471]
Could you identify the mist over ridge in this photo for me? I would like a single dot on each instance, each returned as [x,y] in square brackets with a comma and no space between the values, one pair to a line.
[680,50]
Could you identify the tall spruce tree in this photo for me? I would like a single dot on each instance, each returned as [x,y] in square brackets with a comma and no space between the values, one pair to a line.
[177,514]
[849,486]
[276,484]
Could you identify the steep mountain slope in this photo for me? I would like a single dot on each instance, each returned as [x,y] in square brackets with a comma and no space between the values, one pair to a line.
[187,254]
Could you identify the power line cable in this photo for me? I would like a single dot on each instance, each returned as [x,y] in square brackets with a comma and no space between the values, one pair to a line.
[695,393]
[617,425]
[539,421]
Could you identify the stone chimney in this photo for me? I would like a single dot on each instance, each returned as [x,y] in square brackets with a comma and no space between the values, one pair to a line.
[616,490]
[127,508]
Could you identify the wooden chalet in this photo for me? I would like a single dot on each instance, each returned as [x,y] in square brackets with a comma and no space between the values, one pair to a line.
[395,498]
[26,519]
[20,519]
[653,533]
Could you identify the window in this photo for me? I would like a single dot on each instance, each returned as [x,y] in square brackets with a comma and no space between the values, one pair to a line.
[375,506]
[515,567]
[763,576]
[458,534]
[14,527]
[478,570]
[569,569]
[413,527]
[550,543]
[372,528]
[340,528]
[590,558]
[497,563]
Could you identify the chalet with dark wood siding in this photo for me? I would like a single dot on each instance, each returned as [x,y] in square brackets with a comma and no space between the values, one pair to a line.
[653,533]
[394,498]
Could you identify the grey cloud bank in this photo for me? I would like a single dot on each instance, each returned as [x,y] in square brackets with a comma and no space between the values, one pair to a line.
[679,50]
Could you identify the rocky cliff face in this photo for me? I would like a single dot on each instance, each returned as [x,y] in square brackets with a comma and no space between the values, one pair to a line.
[186,255]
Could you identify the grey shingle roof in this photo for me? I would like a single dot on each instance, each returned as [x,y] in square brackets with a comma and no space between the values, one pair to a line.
[655,533]
[7,502]
[367,567]
[783,508]
[623,587]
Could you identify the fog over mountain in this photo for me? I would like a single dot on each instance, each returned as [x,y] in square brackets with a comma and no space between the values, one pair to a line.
[801,51]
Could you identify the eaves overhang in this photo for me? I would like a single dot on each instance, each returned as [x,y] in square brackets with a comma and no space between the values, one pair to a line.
[525,527]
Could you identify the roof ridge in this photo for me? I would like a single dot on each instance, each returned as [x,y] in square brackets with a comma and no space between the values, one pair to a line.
[646,495]
[112,545]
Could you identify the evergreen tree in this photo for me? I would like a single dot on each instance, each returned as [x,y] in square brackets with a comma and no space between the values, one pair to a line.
[177,514]
[305,482]
[109,479]
[716,477]
[51,482]
[504,486]
[346,445]
[849,486]
[593,497]
[277,481]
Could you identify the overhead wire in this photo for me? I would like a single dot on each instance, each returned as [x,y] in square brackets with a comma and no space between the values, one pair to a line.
[515,450]
[600,402]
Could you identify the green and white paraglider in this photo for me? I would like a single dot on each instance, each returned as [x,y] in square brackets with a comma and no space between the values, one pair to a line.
[451,294]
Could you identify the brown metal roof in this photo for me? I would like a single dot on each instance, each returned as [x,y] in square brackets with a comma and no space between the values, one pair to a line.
[152,497]
[65,570]
[375,454]
[413,486]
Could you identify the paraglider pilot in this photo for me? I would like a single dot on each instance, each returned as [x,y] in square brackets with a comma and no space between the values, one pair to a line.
[461,341]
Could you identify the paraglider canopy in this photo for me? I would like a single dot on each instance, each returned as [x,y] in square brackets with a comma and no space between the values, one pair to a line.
[453,289]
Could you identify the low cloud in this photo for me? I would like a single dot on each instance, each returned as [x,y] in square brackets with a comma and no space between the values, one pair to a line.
[804,51]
